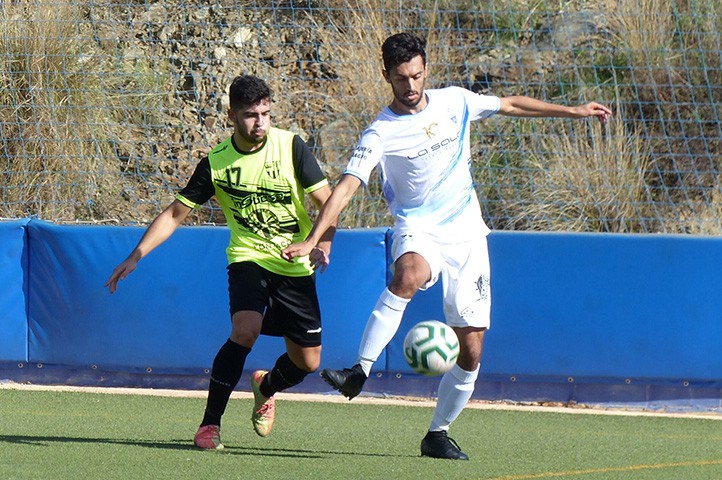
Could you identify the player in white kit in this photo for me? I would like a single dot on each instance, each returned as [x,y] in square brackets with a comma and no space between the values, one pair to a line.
[421,142]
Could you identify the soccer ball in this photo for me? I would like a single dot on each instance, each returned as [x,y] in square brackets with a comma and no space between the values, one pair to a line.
[431,348]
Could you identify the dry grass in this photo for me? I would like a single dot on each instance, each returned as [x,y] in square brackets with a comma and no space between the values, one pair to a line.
[62,145]
[673,76]
[53,160]
[645,27]
[361,93]
[88,136]
[586,177]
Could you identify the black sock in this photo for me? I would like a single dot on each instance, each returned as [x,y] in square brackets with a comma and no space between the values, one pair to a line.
[284,374]
[227,370]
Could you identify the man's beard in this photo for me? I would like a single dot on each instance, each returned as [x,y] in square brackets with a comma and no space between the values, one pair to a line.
[253,139]
[410,103]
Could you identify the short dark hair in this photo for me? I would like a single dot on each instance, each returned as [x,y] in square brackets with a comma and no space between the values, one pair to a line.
[402,47]
[246,90]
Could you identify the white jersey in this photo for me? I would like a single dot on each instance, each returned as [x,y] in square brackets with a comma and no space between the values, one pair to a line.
[425,163]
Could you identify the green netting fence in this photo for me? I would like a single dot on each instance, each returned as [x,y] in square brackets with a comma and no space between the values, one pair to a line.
[106,106]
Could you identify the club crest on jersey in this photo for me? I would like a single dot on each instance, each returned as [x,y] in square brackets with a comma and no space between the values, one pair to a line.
[429,131]
[273,169]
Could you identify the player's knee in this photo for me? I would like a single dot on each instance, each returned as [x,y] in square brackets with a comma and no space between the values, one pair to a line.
[246,327]
[470,347]
[313,360]
[244,337]
[406,284]
[308,365]
[311,366]
[467,361]
[307,360]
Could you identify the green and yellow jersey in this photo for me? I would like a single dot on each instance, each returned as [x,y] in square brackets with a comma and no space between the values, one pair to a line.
[261,194]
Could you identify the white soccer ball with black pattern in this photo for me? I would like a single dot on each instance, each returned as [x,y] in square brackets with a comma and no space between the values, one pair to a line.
[431,348]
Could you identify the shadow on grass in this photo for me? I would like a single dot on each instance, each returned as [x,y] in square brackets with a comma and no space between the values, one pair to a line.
[185,445]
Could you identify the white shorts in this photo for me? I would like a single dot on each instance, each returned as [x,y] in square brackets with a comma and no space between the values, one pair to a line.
[465,275]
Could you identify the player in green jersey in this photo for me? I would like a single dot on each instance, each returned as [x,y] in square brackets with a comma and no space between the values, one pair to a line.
[259,176]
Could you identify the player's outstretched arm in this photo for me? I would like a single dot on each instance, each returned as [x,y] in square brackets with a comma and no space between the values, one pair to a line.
[327,217]
[522,106]
[159,230]
[320,256]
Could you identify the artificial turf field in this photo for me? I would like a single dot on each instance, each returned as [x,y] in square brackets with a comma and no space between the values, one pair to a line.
[77,435]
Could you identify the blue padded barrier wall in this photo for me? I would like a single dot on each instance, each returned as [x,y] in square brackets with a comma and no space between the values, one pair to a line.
[599,305]
[576,317]
[348,290]
[596,318]
[13,279]
[171,314]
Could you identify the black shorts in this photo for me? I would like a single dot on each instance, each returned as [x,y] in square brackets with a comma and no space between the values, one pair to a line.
[289,305]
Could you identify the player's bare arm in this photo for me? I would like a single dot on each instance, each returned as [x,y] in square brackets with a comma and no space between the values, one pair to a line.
[320,255]
[327,217]
[522,106]
[159,230]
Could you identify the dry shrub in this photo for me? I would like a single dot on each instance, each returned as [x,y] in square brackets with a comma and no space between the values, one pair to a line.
[674,64]
[41,145]
[704,218]
[52,145]
[644,26]
[354,36]
[65,105]
[586,177]
[78,132]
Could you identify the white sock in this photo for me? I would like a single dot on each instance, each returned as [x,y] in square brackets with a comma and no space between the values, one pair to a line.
[455,390]
[380,328]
